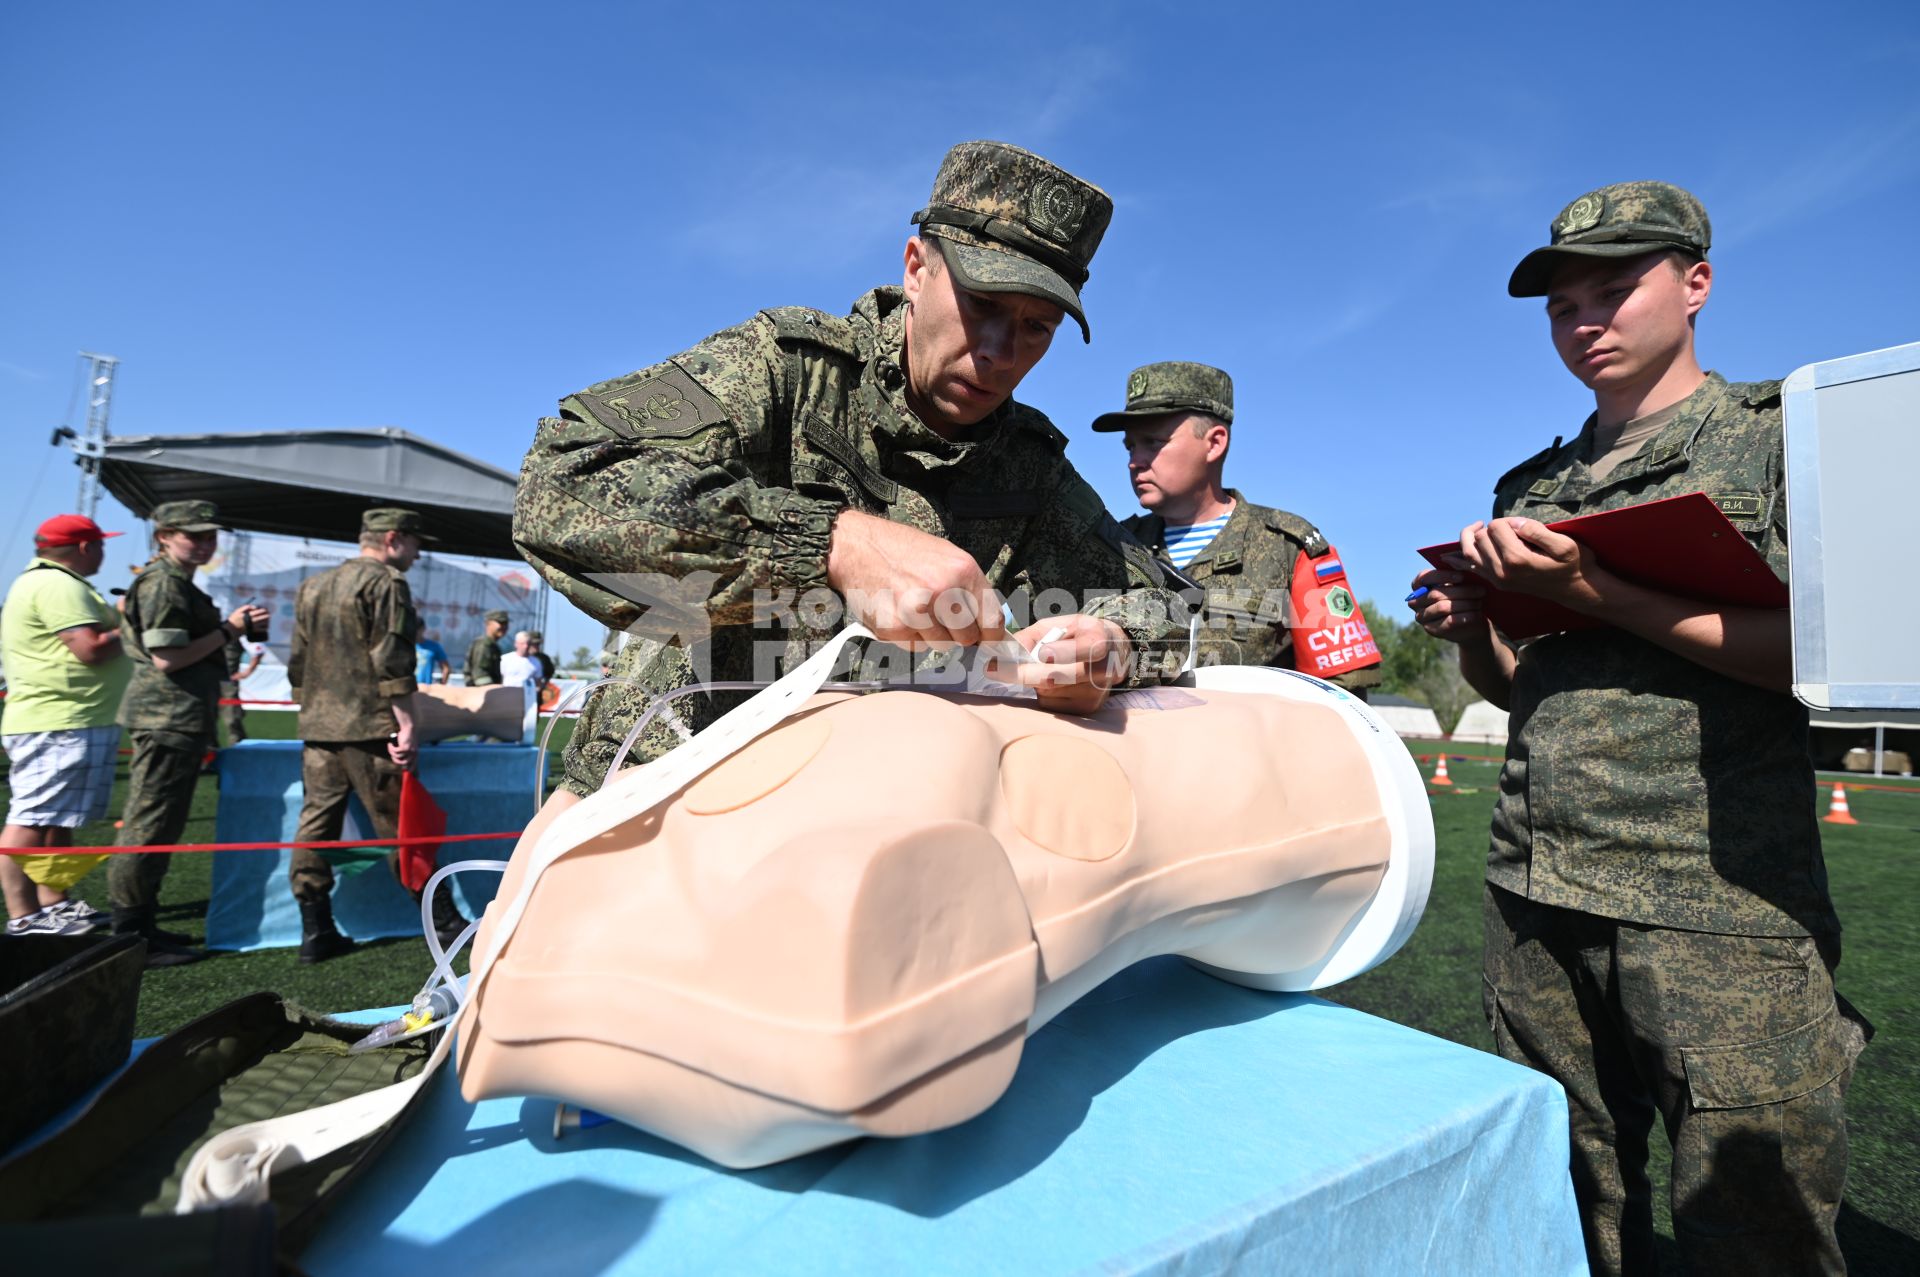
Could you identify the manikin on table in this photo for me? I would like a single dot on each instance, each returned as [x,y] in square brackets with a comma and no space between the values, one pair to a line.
[850,926]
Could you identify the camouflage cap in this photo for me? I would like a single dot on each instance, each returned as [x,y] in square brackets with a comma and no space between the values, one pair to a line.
[1014,223]
[389,518]
[1153,390]
[1622,220]
[187,516]
[500,616]
[535,636]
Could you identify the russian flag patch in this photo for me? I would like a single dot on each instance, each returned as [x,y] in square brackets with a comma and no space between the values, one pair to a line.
[1332,567]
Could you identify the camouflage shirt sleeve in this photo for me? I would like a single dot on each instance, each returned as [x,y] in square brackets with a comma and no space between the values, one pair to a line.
[297,645]
[1774,545]
[166,614]
[1082,549]
[675,470]
[483,663]
[390,628]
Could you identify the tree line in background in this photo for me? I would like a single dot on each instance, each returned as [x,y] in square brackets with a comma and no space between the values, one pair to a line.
[1418,666]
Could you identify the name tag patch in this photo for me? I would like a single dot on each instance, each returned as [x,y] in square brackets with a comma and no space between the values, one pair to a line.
[1739,505]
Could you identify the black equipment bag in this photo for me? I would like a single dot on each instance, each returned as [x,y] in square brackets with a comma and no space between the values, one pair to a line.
[104,1186]
[66,1021]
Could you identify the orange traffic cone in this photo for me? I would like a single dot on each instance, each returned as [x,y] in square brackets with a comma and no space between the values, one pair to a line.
[1837,813]
[1440,776]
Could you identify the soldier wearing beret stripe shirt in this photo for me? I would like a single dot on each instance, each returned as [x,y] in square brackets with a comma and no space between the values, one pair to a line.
[1274,589]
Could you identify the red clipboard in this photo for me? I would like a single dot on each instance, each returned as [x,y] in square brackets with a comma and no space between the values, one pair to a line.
[1680,545]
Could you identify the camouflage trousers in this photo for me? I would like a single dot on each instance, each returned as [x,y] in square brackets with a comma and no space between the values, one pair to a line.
[1738,1043]
[331,772]
[160,784]
[232,717]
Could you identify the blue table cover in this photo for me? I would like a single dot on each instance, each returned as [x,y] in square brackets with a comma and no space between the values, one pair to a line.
[1167,1123]
[483,787]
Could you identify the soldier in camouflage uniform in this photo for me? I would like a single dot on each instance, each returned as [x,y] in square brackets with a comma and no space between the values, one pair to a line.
[483,654]
[233,715]
[1659,936]
[177,639]
[1274,591]
[731,505]
[351,667]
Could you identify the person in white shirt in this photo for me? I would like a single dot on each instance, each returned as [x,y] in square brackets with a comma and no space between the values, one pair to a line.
[520,666]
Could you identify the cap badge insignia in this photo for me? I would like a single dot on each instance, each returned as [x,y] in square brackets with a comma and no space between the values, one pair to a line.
[1137,384]
[1582,214]
[1056,209]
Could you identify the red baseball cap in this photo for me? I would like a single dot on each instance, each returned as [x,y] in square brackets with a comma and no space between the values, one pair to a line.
[70,529]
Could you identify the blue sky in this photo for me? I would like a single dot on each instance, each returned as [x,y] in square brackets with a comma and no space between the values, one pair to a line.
[446,216]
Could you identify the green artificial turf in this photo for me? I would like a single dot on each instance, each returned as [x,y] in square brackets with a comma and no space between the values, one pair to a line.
[1874,868]
[1433,984]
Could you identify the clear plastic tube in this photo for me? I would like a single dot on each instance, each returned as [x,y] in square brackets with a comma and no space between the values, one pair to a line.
[553,719]
[443,958]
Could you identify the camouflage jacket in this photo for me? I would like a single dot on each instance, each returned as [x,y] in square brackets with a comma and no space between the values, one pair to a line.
[483,662]
[1639,785]
[690,504]
[1247,572]
[164,608]
[352,651]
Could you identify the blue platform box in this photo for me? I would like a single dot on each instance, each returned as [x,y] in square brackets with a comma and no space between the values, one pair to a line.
[483,787]
[1168,1123]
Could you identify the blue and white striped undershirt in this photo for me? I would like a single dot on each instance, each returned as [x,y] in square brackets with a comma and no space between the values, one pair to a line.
[1185,543]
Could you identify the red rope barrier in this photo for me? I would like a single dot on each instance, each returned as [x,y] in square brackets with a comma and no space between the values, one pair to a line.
[241,700]
[334,845]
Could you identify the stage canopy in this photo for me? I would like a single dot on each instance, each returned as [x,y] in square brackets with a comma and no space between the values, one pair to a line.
[314,483]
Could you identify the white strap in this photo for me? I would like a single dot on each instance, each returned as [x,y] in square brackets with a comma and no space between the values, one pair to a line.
[235,1166]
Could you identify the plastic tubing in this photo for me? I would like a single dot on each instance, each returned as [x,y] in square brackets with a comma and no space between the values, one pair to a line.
[443,958]
[546,733]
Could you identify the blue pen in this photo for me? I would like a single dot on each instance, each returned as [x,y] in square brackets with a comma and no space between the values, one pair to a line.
[1417,594]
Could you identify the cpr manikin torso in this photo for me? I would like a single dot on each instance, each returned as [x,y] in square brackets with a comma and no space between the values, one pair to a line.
[850,926]
[441,711]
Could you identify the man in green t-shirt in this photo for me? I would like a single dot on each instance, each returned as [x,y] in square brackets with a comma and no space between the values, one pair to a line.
[65,675]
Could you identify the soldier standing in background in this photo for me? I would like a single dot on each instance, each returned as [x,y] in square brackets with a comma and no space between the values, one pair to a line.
[177,640]
[1276,591]
[875,461]
[483,654]
[240,667]
[1659,937]
[352,672]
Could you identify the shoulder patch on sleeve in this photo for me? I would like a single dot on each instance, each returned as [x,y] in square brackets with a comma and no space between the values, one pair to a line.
[663,401]
[814,328]
[1300,530]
